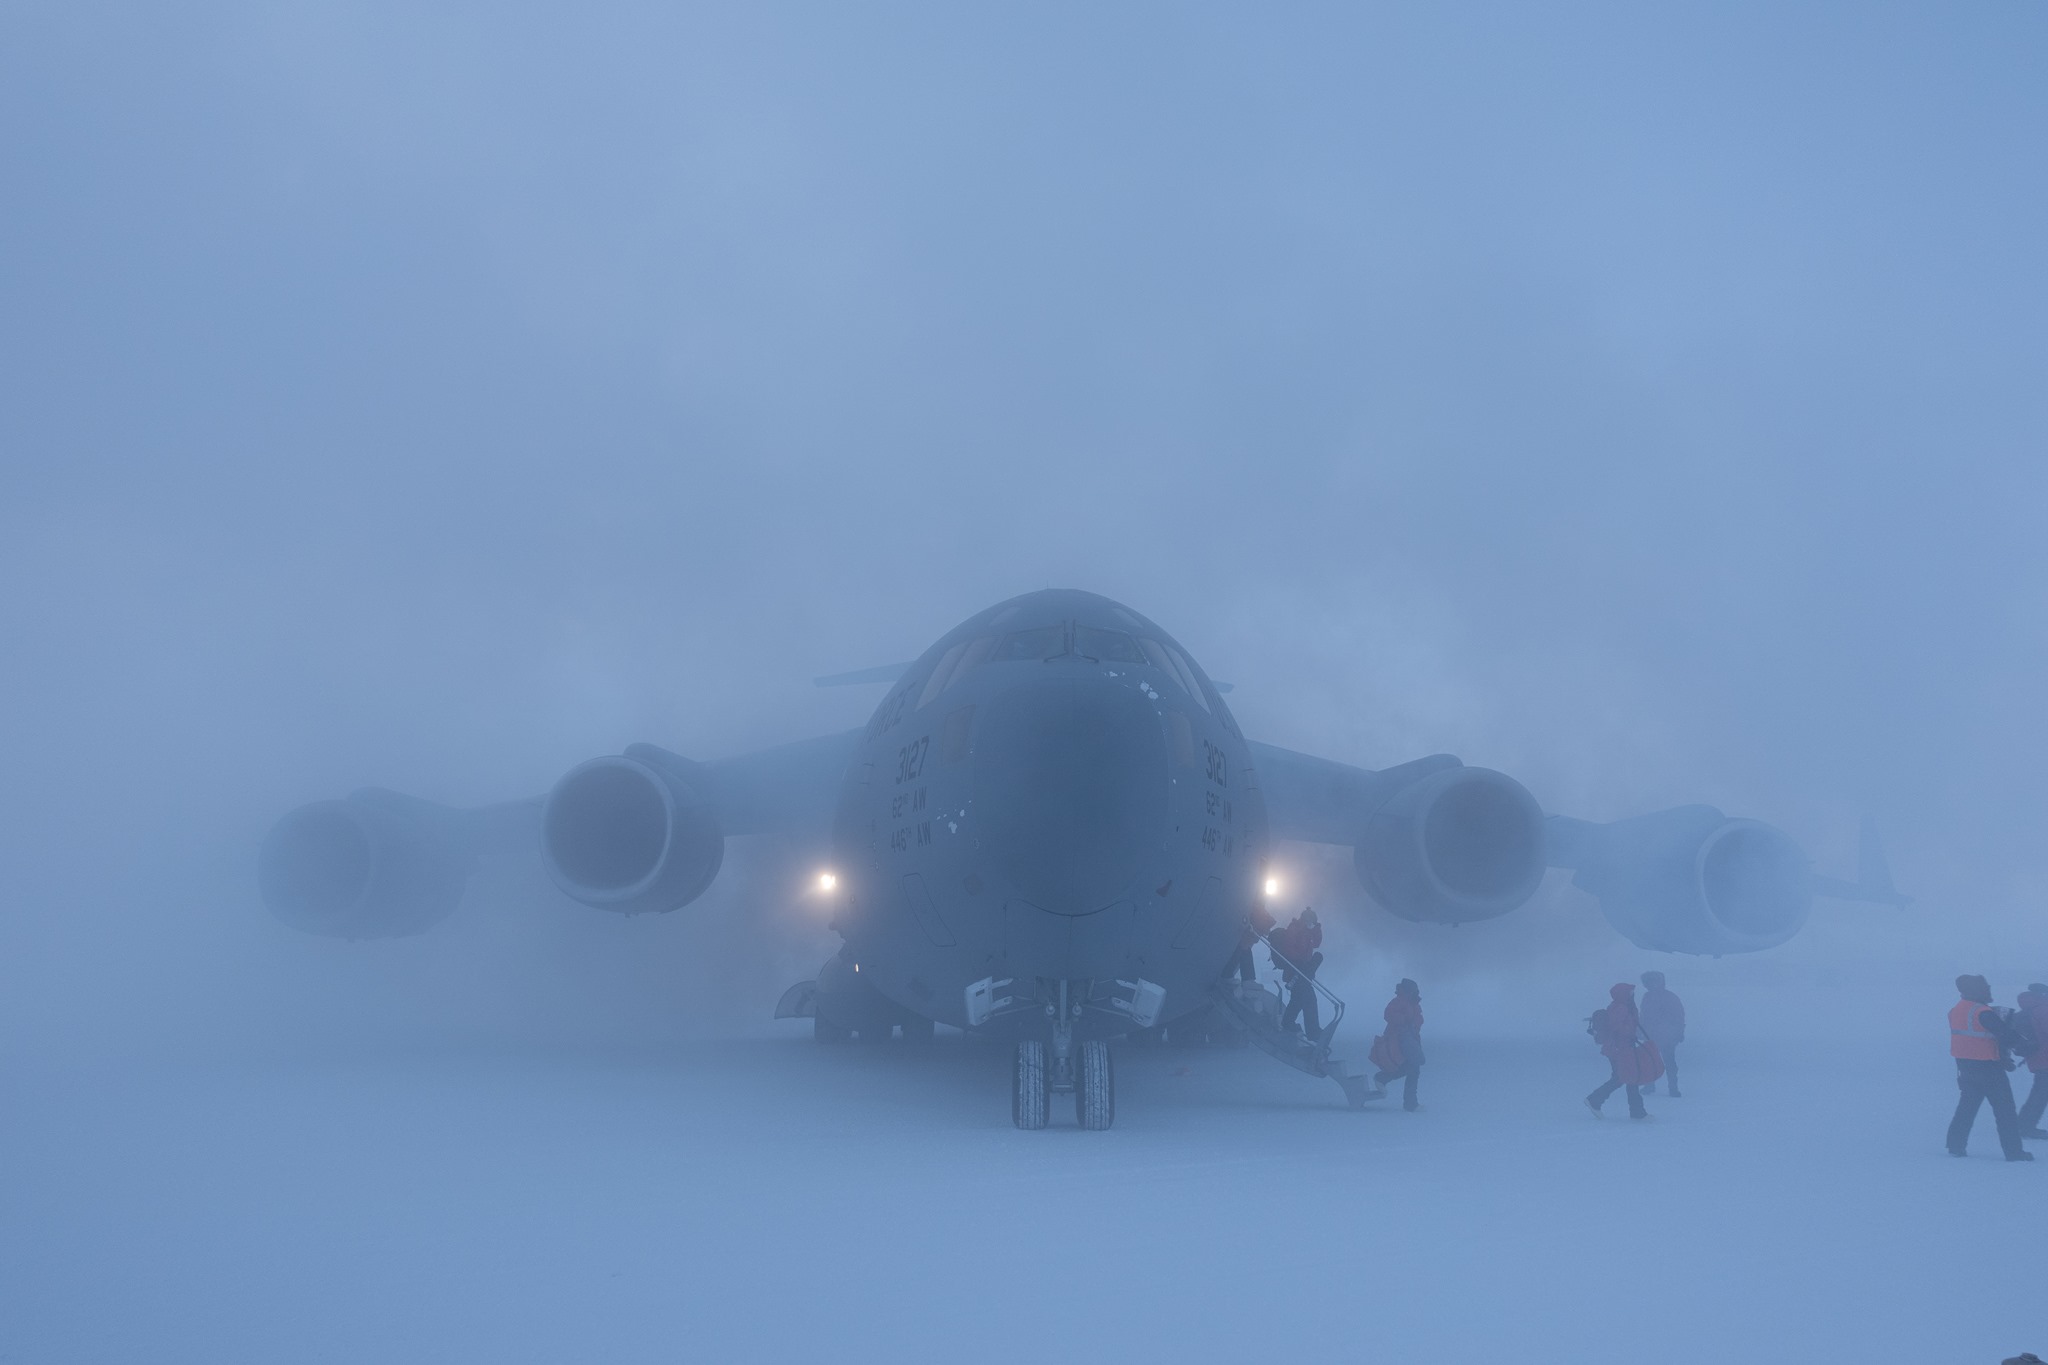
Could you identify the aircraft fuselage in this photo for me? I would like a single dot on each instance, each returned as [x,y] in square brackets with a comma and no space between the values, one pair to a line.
[1053,793]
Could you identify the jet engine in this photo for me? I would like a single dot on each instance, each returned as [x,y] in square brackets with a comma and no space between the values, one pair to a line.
[1691,880]
[633,833]
[1460,844]
[377,865]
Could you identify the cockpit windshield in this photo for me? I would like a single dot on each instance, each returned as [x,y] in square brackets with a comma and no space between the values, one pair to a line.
[1043,643]
[1107,646]
[954,665]
[1169,662]
[1065,641]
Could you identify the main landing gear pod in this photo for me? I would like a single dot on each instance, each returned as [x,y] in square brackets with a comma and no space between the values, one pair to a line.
[843,1005]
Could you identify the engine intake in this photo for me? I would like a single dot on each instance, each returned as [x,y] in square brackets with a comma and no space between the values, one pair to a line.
[1691,880]
[1461,844]
[631,834]
[377,865]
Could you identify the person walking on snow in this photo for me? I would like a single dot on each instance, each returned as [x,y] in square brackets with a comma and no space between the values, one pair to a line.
[1977,1039]
[1618,1029]
[1298,943]
[1664,1024]
[2034,1003]
[1398,1052]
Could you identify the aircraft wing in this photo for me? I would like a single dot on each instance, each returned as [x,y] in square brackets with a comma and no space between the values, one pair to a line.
[1319,801]
[1437,841]
[640,831]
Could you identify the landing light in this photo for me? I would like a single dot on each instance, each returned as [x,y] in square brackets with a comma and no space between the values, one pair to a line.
[828,881]
[1272,886]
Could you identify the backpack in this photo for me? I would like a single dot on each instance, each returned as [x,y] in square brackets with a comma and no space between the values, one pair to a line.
[2021,1035]
[1596,1025]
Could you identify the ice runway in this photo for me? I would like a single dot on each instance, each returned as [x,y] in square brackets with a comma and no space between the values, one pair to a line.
[767,1199]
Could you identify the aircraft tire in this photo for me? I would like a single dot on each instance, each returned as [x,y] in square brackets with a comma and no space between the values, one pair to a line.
[1030,1101]
[1095,1086]
[825,1031]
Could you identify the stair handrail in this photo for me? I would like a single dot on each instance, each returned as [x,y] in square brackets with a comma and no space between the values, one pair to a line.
[1336,1004]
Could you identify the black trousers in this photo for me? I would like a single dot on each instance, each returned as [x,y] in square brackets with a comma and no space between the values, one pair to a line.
[1670,1056]
[2037,1103]
[1613,1083]
[1978,1082]
[1240,965]
[1301,1000]
[1413,1074]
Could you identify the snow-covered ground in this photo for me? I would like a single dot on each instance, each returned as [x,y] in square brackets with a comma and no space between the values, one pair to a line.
[766,1199]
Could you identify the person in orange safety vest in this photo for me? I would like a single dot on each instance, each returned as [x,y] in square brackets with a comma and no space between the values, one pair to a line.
[1977,1036]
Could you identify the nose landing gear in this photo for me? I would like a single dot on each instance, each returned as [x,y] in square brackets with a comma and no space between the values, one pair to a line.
[1030,1099]
[1065,1067]
[1095,1086]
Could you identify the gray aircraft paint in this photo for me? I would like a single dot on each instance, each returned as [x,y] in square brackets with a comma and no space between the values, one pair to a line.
[1052,793]
[1065,817]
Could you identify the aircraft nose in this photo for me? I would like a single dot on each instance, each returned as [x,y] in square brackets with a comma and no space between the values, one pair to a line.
[1071,775]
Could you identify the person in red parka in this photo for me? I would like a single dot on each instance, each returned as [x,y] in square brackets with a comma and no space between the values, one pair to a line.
[2034,1001]
[1298,944]
[1617,1029]
[1398,1051]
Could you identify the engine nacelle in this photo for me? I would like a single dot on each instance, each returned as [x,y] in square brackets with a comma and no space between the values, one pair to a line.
[631,834]
[377,865]
[1692,880]
[1461,844]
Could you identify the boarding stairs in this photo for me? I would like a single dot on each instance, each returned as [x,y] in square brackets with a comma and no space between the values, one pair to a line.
[1256,1009]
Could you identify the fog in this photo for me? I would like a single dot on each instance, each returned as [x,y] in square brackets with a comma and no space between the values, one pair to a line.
[1645,404]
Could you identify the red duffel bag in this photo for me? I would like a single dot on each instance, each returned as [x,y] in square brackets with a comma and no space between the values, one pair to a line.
[1641,1064]
[1385,1053]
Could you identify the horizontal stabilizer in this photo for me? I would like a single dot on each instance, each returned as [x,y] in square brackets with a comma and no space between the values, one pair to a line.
[1873,882]
[885,673]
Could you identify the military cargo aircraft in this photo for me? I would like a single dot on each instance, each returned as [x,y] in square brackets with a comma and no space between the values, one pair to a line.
[1051,832]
